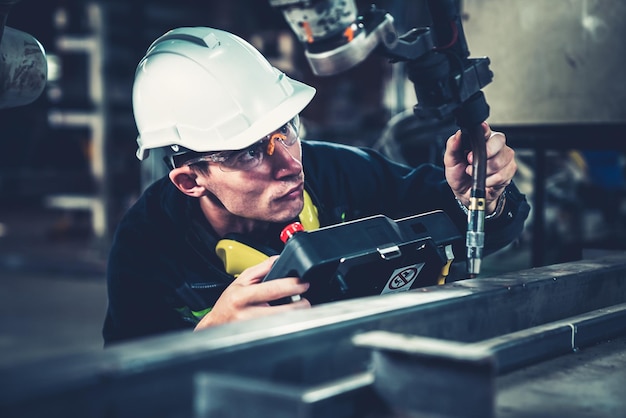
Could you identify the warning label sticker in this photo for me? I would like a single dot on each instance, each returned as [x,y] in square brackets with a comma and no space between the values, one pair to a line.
[401,279]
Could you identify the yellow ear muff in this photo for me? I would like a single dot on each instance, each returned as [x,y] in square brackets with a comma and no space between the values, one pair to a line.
[237,256]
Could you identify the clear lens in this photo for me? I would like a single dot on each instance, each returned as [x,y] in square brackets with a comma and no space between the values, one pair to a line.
[252,157]
[245,159]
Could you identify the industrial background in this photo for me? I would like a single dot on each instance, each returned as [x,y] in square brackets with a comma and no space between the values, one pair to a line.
[68,169]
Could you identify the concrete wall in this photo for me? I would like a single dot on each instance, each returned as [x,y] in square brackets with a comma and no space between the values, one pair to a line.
[554,61]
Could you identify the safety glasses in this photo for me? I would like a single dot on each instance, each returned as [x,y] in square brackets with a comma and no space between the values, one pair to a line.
[247,158]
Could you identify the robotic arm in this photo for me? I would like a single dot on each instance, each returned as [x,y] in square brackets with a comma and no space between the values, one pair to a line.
[23,67]
[335,37]
[446,81]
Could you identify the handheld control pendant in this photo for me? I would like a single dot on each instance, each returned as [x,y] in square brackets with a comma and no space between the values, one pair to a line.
[368,256]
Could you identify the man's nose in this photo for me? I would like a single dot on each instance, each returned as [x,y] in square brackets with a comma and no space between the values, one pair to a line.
[285,159]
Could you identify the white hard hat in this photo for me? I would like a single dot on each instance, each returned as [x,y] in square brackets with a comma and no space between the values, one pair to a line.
[209,90]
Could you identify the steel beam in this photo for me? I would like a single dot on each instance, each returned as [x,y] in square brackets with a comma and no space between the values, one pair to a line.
[313,350]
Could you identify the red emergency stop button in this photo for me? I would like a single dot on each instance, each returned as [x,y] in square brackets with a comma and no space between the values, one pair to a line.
[290,230]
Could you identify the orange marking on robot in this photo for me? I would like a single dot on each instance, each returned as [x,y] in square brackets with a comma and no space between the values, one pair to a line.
[349,33]
[308,31]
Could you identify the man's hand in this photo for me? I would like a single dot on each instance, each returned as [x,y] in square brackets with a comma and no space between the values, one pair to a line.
[247,297]
[501,167]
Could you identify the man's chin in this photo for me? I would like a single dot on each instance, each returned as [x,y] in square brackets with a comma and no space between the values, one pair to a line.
[288,212]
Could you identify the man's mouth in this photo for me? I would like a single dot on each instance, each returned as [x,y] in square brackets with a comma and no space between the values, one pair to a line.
[293,193]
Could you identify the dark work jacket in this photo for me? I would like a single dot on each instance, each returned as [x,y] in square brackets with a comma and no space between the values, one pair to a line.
[163,270]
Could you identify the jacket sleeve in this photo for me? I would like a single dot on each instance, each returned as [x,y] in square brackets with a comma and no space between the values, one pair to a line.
[139,293]
[351,183]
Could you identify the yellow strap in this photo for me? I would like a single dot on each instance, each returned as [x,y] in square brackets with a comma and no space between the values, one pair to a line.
[309,216]
[445,270]
[237,256]
[443,275]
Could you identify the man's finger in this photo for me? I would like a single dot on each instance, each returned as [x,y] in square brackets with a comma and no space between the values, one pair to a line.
[255,273]
[277,289]
[495,142]
[455,154]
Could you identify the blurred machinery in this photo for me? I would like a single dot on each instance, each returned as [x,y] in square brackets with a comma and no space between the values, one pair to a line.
[23,68]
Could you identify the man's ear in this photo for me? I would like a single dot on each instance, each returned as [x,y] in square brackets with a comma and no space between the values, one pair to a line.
[184,178]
